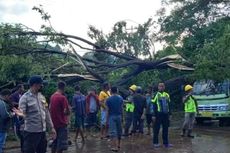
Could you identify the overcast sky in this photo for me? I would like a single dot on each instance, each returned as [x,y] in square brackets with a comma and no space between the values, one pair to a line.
[75,16]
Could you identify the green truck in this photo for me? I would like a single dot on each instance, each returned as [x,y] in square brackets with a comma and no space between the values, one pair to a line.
[213,100]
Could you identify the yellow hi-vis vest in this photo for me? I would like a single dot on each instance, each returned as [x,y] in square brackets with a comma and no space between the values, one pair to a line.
[162,101]
[190,105]
[129,107]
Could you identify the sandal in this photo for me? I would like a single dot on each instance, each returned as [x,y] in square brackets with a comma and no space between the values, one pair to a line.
[114,149]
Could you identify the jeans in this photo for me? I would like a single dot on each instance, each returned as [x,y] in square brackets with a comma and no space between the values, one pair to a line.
[2,140]
[115,129]
[161,119]
[61,141]
[103,117]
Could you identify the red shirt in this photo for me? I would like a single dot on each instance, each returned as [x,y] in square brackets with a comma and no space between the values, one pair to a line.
[58,105]
[88,102]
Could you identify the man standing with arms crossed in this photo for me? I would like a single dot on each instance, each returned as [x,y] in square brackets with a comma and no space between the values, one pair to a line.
[34,108]
[104,94]
[59,111]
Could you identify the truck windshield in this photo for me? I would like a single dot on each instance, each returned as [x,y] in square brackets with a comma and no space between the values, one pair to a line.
[210,87]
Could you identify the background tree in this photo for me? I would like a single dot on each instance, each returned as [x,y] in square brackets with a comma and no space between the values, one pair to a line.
[193,30]
[196,28]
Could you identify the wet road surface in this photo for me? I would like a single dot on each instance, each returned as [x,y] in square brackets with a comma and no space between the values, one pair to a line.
[208,139]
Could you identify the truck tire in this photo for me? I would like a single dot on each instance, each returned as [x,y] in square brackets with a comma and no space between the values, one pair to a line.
[225,122]
[228,122]
[199,121]
[222,122]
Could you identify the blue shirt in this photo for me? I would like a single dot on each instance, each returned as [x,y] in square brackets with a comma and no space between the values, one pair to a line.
[149,104]
[92,105]
[79,104]
[115,105]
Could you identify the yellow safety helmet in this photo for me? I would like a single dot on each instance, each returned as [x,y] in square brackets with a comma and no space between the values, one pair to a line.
[133,87]
[187,87]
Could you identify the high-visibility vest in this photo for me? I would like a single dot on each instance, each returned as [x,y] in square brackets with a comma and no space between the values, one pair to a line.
[129,107]
[190,105]
[162,101]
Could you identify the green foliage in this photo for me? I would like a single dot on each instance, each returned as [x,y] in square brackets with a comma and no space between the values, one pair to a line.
[49,89]
[115,75]
[87,85]
[194,44]
[189,16]
[214,58]
[196,29]
[17,60]
[169,50]
[9,40]
[18,69]
[135,41]
[146,79]
[199,29]
[45,16]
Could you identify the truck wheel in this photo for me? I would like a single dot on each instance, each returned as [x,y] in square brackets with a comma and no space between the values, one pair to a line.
[221,122]
[199,121]
[228,122]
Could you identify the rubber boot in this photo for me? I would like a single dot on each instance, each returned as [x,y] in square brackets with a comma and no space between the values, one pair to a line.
[183,132]
[189,134]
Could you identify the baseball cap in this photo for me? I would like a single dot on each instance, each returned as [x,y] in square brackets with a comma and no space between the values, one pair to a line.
[35,79]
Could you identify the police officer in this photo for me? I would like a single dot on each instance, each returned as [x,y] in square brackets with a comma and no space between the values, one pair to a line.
[190,108]
[161,103]
[34,109]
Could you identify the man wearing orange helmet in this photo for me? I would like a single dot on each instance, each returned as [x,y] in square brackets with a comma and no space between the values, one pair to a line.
[190,108]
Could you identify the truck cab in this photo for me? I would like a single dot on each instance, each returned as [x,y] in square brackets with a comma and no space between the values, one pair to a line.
[213,100]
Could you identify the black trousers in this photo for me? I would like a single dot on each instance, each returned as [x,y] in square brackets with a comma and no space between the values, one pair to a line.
[128,122]
[161,119]
[138,124]
[35,142]
[21,137]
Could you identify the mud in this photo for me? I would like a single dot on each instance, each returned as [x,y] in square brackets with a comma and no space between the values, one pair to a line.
[208,139]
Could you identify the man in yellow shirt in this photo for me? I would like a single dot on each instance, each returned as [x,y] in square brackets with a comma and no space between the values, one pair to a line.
[103,96]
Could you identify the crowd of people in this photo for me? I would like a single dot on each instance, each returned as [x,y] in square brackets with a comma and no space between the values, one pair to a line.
[33,116]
